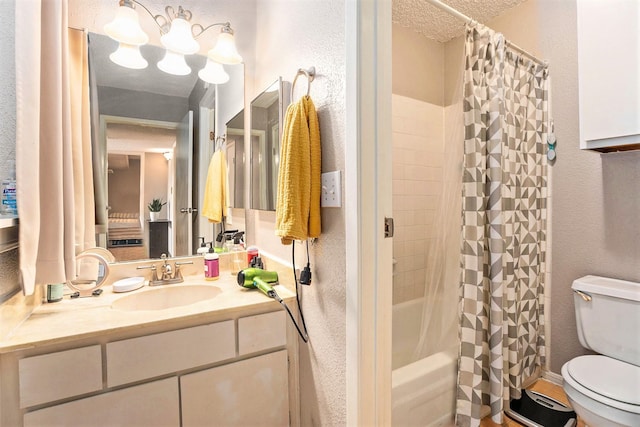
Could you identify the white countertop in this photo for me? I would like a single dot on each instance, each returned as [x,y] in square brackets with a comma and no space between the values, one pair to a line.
[72,319]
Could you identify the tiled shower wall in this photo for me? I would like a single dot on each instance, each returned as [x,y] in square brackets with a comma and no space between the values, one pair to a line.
[418,156]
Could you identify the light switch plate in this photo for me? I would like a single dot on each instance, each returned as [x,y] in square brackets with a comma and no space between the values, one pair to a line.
[331,190]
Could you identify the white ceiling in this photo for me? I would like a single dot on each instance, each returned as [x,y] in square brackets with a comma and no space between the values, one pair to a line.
[436,24]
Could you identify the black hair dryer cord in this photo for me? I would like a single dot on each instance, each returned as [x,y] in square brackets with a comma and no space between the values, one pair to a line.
[303,335]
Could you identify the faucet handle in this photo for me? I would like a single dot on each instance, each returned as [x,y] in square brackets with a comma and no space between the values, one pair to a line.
[152,267]
[178,272]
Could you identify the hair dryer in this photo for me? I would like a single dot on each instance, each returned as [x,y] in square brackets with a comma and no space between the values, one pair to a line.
[258,278]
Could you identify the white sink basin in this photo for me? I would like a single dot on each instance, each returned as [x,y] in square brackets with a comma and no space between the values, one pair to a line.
[166,297]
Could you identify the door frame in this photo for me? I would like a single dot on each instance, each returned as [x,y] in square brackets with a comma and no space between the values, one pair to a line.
[367,203]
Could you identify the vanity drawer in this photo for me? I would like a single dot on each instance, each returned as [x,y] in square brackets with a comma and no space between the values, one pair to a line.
[59,375]
[262,332]
[153,404]
[153,355]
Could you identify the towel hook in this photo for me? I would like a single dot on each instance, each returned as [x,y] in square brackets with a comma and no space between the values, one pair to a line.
[309,73]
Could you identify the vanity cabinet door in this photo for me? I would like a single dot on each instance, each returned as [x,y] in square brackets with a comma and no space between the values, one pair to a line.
[252,392]
[153,404]
[150,356]
[59,375]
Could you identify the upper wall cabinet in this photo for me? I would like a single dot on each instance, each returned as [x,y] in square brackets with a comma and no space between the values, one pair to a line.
[609,74]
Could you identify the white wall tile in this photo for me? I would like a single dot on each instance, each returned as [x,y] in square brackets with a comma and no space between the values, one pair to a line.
[418,147]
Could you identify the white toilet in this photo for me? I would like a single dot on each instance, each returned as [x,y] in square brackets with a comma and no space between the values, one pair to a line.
[604,389]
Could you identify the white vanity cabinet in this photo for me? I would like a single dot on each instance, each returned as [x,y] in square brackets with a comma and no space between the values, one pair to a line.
[236,371]
[252,392]
[151,404]
[609,74]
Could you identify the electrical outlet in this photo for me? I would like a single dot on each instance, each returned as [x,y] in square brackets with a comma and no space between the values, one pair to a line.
[331,190]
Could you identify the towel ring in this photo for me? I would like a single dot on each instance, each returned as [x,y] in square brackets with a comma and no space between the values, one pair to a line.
[309,73]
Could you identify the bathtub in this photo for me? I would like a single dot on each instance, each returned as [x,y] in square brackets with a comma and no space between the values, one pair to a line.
[423,392]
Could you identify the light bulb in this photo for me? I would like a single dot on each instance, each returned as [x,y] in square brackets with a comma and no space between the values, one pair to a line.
[129,56]
[179,38]
[125,27]
[213,73]
[174,63]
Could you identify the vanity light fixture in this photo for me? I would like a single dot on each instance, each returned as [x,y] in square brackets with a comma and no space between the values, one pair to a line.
[178,37]
[174,63]
[213,73]
[128,55]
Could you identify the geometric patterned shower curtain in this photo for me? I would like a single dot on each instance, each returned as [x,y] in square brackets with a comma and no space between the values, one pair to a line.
[504,210]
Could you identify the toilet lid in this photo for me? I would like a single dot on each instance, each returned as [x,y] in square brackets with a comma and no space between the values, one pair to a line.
[608,377]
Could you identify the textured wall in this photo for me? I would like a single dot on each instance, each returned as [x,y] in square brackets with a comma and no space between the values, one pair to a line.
[9,260]
[7,88]
[292,35]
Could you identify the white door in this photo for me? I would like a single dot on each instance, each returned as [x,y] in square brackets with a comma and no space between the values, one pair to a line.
[183,212]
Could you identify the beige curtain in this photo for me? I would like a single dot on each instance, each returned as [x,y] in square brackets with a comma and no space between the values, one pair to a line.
[50,141]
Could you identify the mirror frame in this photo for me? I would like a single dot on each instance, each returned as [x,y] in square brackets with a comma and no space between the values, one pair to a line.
[284,95]
[236,197]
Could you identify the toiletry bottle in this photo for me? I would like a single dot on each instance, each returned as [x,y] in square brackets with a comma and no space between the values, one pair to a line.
[252,252]
[211,265]
[9,204]
[203,249]
[238,260]
[228,242]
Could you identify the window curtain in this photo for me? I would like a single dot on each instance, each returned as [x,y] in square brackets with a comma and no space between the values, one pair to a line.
[503,224]
[54,190]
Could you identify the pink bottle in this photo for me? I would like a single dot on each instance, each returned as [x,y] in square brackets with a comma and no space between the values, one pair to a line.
[211,265]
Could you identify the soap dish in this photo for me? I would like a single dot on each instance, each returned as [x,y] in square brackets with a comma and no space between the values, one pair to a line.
[128,284]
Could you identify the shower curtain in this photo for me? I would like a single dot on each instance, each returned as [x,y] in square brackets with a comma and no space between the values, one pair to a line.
[53,167]
[504,193]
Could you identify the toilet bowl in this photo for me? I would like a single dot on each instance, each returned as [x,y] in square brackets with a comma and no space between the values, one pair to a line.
[604,389]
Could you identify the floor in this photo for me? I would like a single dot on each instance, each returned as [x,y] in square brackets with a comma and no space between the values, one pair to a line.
[542,386]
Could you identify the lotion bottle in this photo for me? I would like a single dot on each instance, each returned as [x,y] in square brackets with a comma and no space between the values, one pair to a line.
[211,265]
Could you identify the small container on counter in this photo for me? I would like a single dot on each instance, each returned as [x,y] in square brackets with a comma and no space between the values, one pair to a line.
[252,252]
[211,265]
[55,292]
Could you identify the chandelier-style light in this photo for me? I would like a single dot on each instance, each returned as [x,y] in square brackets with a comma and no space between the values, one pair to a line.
[178,38]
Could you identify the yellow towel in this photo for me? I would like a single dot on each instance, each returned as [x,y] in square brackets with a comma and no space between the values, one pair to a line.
[299,185]
[214,205]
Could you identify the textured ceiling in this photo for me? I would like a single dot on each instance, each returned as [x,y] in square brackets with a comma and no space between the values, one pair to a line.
[439,25]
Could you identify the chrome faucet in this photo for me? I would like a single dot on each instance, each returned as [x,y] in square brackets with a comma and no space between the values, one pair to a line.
[168,274]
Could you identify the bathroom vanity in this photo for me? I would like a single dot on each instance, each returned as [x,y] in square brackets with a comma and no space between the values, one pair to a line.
[229,358]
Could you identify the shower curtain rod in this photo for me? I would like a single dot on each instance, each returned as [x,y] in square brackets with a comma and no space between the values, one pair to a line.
[462,16]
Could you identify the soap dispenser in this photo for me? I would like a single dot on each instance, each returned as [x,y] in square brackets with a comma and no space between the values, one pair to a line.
[238,261]
[203,249]
[211,265]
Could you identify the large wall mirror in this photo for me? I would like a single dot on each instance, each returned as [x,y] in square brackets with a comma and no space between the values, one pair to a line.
[267,116]
[236,160]
[154,134]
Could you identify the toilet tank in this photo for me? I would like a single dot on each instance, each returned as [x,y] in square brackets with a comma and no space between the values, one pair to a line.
[608,316]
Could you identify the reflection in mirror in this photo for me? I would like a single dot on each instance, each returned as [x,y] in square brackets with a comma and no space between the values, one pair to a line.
[267,116]
[235,160]
[151,134]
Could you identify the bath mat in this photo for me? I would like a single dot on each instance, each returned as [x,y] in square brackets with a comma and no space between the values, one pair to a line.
[537,410]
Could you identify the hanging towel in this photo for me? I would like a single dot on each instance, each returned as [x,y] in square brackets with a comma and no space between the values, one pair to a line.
[298,202]
[214,205]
